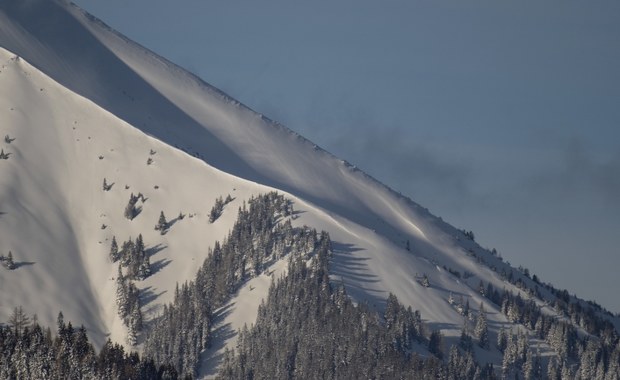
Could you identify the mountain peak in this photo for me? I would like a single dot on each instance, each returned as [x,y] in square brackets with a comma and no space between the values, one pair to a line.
[101,124]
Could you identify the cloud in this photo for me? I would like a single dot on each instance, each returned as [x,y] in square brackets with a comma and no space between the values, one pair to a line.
[393,156]
[581,174]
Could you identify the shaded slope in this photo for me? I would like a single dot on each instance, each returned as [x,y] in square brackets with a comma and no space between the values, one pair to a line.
[126,80]
[54,175]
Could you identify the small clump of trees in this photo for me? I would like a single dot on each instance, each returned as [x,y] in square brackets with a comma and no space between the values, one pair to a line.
[132,209]
[162,224]
[7,261]
[4,156]
[132,256]
[30,351]
[106,186]
[218,207]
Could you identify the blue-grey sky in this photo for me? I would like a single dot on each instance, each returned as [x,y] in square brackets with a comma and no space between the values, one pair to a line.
[502,117]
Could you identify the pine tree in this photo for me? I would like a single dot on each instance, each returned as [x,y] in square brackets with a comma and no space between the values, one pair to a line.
[134,325]
[529,366]
[18,320]
[121,294]
[139,246]
[9,264]
[481,331]
[502,339]
[106,186]
[481,289]
[142,263]
[162,224]
[217,209]
[131,211]
[435,344]
[510,355]
[465,341]
[553,372]
[425,282]
[114,253]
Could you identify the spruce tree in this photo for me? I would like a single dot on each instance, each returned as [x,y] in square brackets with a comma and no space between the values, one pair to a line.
[114,253]
[529,366]
[482,330]
[162,224]
[18,320]
[106,186]
[217,209]
[435,344]
[502,339]
[9,261]
[131,211]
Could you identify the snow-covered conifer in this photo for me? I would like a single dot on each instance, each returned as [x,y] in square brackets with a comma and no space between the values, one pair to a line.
[481,330]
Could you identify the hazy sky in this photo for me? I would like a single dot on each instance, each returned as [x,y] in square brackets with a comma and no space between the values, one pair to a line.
[502,117]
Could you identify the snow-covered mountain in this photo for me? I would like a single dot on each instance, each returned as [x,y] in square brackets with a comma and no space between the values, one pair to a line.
[80,103]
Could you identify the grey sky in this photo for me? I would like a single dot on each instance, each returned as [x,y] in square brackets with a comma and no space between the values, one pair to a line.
[500,116]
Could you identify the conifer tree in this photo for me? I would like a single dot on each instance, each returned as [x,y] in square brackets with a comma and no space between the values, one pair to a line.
[162,224]
[435,344]
[482,330]
[425,282]
[18,320]
[553,371]
[106,186]
[502,339]
[529,366]
[465,342]
[131,211]
[9,261]
[114,253]
[217,209]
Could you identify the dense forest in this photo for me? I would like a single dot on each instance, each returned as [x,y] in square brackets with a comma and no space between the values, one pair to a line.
[30,351]
[307,328]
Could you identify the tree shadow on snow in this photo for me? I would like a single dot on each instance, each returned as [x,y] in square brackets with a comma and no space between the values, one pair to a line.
[155,249]
[172,222]
[352,268]
[159,265]
[137,211]
[20,264]
[296,214]
[147,296]
[214,354]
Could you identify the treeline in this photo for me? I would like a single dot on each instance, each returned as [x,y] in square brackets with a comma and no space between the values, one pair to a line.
[589,315]
[30,351]
[133,257]
[306,329]
[259,237]
[586,317]
[588,357]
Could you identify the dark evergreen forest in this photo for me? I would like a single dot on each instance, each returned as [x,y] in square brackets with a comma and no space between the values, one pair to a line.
[307,328]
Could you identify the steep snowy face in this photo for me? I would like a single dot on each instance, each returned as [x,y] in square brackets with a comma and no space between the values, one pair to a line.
[69,175]
[174,106]
[57,219]
[81,104]
[85,84]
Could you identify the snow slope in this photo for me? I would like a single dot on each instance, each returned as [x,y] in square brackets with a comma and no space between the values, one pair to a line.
[72,91]
[53,204]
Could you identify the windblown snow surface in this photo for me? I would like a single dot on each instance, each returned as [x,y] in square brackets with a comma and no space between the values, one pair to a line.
[84,103]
